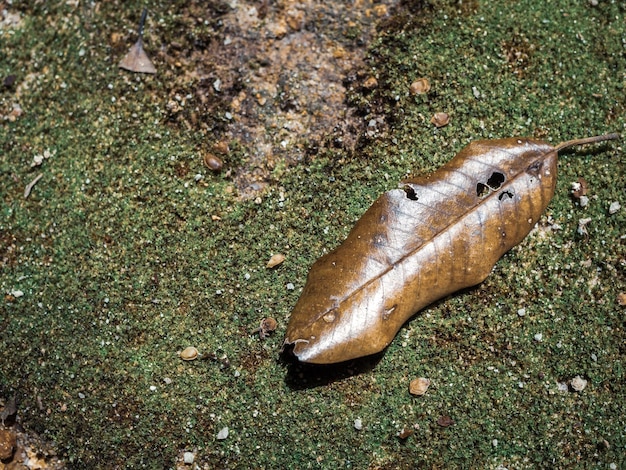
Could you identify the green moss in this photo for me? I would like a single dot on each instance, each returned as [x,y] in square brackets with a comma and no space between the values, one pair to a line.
[122,266]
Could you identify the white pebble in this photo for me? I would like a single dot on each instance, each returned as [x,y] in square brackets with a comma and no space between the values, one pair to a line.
[494,443]
[17,293]
[538,337]
[188,458]
[578,383]
[358,424]
[521,312]
[583,201]
[223,434]
[582,226]
[153,388]
[561,386]
[614,207]
[290,286]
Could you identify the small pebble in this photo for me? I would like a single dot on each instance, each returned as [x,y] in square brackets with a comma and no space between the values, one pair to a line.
[358,424]
[212,162]
[290,286]
[189,354]
[582,226]
[188,458]
[538,337]
[521,312]
[370,83]
[614,207]
[578,383]
[583,201]
[419,386]
[221,147]
[267,325]
[275,260]
[440,119]
[223,434]
[579,188]
[561,386]
[419,86]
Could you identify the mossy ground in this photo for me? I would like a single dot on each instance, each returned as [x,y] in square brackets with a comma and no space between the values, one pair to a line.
[121,264]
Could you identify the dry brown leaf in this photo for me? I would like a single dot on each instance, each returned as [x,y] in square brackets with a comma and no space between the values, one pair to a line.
[137,60]
[418,244]
[445,421]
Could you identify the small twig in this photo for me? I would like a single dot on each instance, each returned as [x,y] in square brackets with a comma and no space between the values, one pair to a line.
[30,185]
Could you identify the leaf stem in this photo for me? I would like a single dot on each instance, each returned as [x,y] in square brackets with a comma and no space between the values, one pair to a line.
[588,140]
[142,21]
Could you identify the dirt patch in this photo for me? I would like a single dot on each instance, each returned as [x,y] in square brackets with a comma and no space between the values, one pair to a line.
[21,449]
[270,78]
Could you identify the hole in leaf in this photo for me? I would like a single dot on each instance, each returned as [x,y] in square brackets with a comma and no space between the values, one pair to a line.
[410,193]
[495,180]
[505,194]
[482,190]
